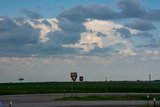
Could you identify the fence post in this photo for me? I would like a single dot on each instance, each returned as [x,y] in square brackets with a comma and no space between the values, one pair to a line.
[10,104]
[154,104]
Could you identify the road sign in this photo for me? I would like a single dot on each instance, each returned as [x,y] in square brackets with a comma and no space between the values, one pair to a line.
[73,76]
[81,78]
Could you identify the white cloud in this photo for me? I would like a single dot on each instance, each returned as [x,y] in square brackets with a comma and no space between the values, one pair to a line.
[110,37]
[127,52]
[105,26]
[44,29]
[65,60]
[87,42]
[152,52]
[18,60]
[1,19]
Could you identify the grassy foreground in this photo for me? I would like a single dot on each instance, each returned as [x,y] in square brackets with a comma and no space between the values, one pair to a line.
[79,87]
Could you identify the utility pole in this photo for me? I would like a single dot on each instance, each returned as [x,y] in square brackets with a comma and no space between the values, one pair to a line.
[106,84]
[149,77]
[149,83]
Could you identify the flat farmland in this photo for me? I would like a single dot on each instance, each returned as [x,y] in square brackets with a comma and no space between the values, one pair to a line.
[80,87]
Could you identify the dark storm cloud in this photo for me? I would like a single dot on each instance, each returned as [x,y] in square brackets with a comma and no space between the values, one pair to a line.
[31,14]
[71,21]
[131,8]
[125,33]
[70,26]
[142,25]
[128,9]
[11,32]
[82,12]
[63,37]
[134,9]
[20,20]
[16,39]
[21,39]
[153,15]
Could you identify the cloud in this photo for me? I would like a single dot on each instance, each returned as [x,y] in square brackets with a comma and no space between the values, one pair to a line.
[127,9]
[152,52]
[69,26]
[31,14]
[91,40]
[134,9]
[131,8]
[125,33]
[152,44]
[142,25]
[71,21]
[80,30]
[45,26]
[153,15]
[15,38]
[12,33]
[82,12]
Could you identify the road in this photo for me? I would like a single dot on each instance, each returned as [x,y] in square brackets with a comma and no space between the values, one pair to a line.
[49,100]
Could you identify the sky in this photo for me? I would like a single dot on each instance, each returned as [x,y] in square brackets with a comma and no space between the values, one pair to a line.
[46,40]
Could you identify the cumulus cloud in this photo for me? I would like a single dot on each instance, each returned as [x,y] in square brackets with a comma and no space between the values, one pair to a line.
[80,30]
[45,26]
[90,39]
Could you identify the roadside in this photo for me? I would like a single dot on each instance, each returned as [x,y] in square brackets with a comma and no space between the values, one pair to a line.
[49,100]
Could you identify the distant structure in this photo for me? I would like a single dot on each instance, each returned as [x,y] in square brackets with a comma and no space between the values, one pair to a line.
[149,77]
[106,79]
[81,78]
[73,76]
[21,79]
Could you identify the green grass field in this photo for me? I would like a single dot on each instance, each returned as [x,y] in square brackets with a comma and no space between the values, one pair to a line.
[79,87]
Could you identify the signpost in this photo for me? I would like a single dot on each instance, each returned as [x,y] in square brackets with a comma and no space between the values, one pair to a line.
[73,77]
[81,78]
[10,104]
[150,83]
[154,102]
[147,100]
[21,79]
